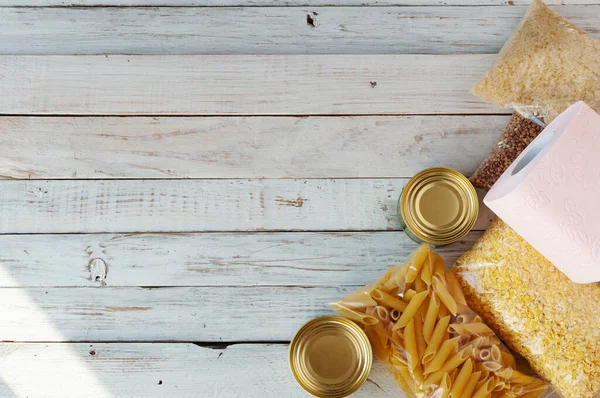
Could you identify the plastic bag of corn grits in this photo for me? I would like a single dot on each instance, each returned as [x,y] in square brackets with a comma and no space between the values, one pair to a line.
[535,309]
[418,323]
[547,65]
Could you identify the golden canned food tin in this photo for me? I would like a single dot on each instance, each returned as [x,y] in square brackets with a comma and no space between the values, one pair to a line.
[438,206]
[330,357]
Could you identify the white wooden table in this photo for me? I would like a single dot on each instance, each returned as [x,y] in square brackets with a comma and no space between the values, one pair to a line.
[184,186]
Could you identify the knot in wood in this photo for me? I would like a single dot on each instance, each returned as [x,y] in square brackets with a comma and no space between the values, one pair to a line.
[98,270]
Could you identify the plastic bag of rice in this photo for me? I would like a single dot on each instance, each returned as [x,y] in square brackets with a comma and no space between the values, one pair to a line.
[535,309]
[547,65]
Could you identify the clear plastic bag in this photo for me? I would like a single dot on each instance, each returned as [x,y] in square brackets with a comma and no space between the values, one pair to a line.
[547,65]
[535,309]
[519,133]
[418,323]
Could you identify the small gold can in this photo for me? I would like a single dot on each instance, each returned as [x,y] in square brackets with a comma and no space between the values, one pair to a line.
[330,357]
[438,206]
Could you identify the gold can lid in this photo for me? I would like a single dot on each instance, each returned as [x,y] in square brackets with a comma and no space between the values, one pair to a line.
[439,206]
[330,357]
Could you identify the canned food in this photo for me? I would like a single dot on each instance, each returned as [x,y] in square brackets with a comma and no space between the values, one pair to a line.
[438,206]
[330,357]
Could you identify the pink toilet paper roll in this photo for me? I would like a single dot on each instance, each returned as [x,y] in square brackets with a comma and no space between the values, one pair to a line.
[550,195]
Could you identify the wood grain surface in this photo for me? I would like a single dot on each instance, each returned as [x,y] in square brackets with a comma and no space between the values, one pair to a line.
[206,259]
[243,84]
[85,206]
[270,30]
[208,314]
[241,147]
[159,369]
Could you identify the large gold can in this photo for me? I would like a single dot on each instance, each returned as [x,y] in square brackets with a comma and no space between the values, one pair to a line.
[438,206]
[330,357]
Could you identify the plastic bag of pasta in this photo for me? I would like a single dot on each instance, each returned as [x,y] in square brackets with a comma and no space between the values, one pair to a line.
[537,311]
[418,323]
[547,65]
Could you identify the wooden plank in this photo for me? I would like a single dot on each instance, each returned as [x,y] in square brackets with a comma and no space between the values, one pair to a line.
[242,84]
[246,147]
[209,314]
[294,3]
[269,30]
[84,206]
[160,369]
[215,259]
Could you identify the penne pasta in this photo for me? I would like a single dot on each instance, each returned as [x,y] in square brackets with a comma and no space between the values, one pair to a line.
[499,385]
[408,295]
[507,359]
[471,384]
[445,386]
[504,373]
[447,348]
[443,312]
[444,296]
[430,318]
[453,374]
[496,354]
[405,374]
[521,378]
[397,337]
[452,363]
[421,344]
[438,265]
[417,374]
[410,344]
[423,308]
[463,341]
[411,309]
[414,265]
[484,355]
[382,313]
[384,298]
[485,389]
[395,281]
[517,389]
[402,382]
[420,286]
[436,340]
[378,348]
[535,385]
[461,380]
[381,332]
[479,342]
[427,270]
[462,318]
[455,290]
[470,328]
[354,315]
[431,341]
[457,359]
